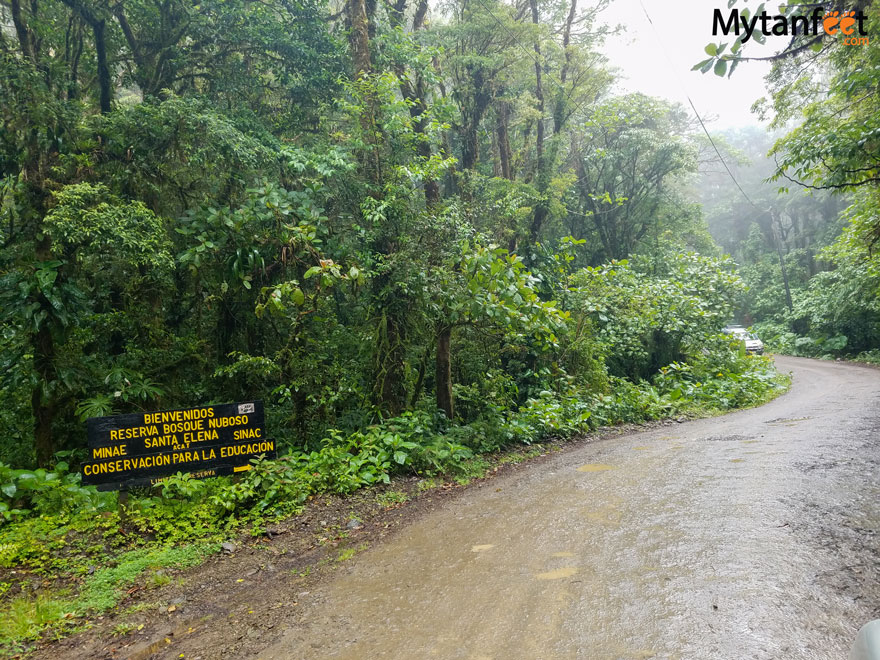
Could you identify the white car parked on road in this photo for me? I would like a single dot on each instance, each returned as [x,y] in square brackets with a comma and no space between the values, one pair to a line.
[753,344]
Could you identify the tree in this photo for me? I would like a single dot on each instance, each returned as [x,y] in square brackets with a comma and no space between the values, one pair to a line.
[62,60]
[630,158]
[485,286]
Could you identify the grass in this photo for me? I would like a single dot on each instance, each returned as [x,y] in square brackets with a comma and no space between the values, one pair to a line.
[139,607]
[27,616]
[122,629]
[390,498]
[348,553]
[475,468]
[521,456]
[157,579]
[428,484]
[103,590]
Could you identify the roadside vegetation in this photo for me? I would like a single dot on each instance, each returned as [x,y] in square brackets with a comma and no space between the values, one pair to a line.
[421,235]
[69,553]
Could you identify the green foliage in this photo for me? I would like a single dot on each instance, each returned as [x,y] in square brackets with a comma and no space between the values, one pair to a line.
[86,215]
[40,492]
[25,618]
[645,322]
[103,589]
[390,498]
[724,379]
[807,300]
[491,288]
[835,312]
[633,157]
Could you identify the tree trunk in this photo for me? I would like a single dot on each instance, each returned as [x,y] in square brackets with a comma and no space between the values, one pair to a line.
[358,38]
[104,81]
[98,29]
[444,370]
[43,413]
[34,208]
[470,150]
[76,54]
[420,379]
[502,120]
[774,220]
[539,93]
[42,394]
[25,37]
[391,385]
[542,177]
[559,111]
[418,108]
[469,147]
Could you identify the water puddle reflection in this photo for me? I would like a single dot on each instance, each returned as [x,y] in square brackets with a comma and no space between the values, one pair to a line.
[595,467]
[558,574]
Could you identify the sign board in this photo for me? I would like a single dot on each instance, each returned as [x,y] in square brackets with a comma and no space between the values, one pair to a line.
[141,449]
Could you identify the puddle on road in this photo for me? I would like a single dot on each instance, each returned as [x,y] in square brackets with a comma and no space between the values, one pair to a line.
[595,467]
[726,438]
[482,548]
[787,421]
[558,574]
[608,514]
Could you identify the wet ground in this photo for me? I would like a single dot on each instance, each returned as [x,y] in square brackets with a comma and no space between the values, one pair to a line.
[748,536]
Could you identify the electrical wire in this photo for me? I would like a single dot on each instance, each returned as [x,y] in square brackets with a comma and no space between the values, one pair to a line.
[694,108]
[672,68]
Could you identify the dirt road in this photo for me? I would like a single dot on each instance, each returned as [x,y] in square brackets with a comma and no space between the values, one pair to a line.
[753,535]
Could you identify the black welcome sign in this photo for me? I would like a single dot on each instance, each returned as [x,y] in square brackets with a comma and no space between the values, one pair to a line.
[141,449]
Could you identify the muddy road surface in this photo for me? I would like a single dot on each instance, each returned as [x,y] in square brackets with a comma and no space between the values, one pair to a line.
[753,535]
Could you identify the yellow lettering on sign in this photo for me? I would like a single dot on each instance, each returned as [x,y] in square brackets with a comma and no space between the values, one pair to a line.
[132,433]
[178,415]
[245,434]
[202,436]
[225,422]
[162,441]
[108,452]
[254,448]
[181,427]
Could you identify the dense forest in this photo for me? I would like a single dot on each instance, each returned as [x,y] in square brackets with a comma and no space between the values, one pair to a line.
[812,280]
[351,215]
[419,233]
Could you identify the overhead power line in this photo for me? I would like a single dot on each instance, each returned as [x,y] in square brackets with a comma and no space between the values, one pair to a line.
[579,106]
[694,108]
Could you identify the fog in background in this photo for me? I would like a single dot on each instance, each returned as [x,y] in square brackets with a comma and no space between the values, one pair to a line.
[684,28]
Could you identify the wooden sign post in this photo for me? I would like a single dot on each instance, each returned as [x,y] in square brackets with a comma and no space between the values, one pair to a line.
[142,449]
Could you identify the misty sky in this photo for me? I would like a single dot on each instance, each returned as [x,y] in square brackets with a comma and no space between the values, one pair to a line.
[684,27]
